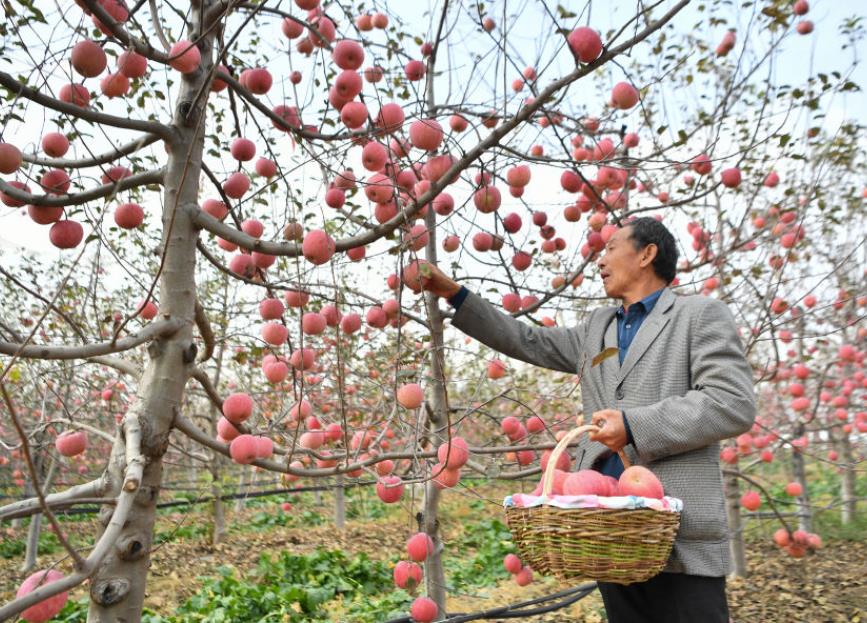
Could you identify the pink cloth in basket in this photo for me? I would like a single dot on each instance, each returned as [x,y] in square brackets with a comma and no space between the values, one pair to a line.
[619,502]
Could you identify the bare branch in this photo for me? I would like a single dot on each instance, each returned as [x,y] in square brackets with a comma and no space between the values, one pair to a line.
[56,309]
[105,190]
[87,114]
[158,27]
[203,379]
[111,156]
[121,365]
[125,38]
[83,426]
[23,508]
[161,328]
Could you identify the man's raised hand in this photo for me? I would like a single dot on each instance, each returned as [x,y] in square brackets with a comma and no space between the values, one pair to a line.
[422,275]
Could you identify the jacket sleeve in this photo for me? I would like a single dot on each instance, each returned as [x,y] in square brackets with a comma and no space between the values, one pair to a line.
[721,403]
[557,348]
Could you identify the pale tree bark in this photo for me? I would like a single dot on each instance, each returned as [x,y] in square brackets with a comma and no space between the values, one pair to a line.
[240,502]
[805,513]
[736,531]
[29,492]
[35,527]
[117,589]
[846,457]
[847,480]
[215,466]
[434,574]
[339,504]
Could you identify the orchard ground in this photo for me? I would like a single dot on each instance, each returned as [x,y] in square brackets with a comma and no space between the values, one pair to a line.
[827,586]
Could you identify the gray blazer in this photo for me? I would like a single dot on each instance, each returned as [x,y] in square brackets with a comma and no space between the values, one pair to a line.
[685,386]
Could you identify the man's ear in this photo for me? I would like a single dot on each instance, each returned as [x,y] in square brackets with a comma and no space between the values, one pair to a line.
[648,254]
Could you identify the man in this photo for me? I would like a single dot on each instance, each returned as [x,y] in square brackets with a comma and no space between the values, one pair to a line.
[679,385]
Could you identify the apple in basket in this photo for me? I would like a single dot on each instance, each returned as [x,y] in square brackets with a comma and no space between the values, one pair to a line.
[586,482]
[556,486]
[640,481]
[613,486]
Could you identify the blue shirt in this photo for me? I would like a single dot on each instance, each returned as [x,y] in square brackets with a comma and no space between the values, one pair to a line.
[628,323]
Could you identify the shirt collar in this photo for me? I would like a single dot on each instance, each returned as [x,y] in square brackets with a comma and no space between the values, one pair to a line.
[647,303]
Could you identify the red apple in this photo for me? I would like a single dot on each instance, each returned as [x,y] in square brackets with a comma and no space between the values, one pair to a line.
[585,482]
[640,481]
[185,57]
[585,43]
[88,58]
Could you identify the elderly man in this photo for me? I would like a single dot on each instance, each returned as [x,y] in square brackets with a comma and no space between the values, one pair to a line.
[679,385]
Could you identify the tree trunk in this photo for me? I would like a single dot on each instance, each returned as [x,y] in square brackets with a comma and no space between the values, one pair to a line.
[218,515]
[847,480]
[240,501]
[805,513]
[736,531]
[215,467]
[339,504]
[36,521]
[435,579]
[117,589]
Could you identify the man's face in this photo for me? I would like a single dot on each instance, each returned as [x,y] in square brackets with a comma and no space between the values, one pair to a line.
[620,264]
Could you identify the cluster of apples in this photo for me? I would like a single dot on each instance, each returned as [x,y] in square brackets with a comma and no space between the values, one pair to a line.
[797,543]
[522,574]
[408,575]
[635,480]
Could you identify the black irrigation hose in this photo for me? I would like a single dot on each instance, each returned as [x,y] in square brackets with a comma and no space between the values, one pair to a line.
[514,611]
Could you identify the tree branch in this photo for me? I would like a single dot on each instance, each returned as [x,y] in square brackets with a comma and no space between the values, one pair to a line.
[161,328]
[203,379]
[121,365]
[87,114]
[123,150]
[105,190]
[125,38]
[23,508]
[196,434]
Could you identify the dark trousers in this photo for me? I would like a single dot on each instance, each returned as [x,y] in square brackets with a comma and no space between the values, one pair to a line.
[667,598]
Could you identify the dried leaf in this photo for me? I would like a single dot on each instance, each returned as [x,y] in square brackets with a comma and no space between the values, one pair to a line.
[605,354]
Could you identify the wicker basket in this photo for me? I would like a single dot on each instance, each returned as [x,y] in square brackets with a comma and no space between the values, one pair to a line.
[607,545]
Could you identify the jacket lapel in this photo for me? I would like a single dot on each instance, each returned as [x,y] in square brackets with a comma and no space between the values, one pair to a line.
[650,329]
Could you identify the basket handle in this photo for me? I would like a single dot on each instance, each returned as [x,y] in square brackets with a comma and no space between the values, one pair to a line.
[548,478]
